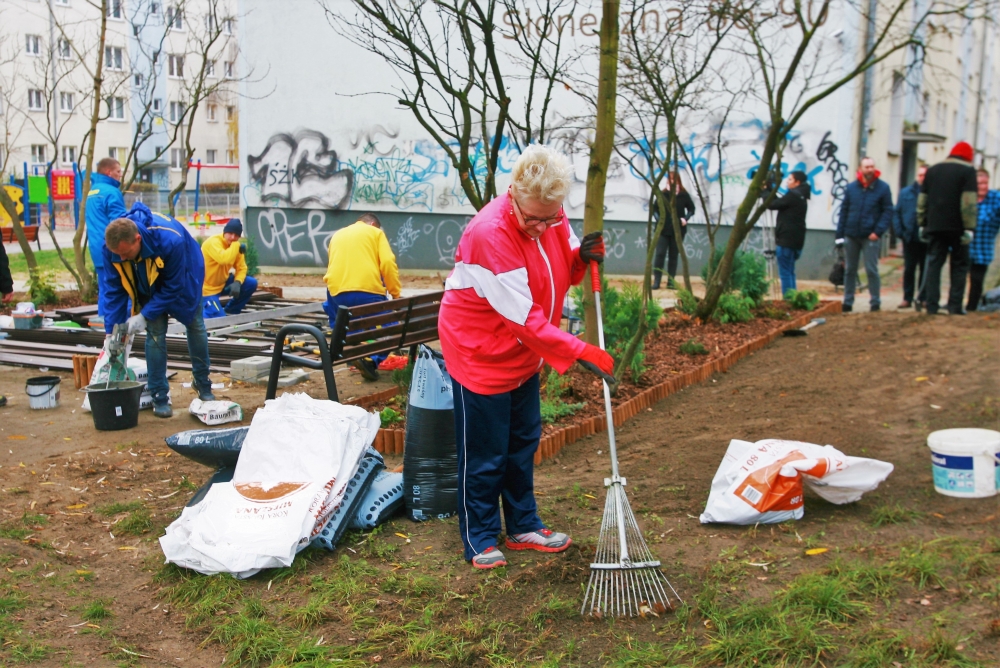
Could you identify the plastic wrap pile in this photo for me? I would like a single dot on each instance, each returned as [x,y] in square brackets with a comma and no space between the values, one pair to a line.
[303,468]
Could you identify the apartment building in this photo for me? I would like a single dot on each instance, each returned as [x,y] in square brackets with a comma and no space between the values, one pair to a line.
[168,69]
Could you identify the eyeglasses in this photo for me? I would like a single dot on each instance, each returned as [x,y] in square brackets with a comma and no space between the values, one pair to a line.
[529,221]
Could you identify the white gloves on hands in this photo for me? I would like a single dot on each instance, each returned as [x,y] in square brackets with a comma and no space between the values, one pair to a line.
[136,324]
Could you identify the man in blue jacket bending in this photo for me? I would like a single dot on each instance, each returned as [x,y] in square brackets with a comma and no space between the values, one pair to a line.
[865,215]
[155,265]
[104,204]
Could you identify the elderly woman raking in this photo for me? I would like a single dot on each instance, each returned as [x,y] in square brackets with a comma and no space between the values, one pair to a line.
[499,324]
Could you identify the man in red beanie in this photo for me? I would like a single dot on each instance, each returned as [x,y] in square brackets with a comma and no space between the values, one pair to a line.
[946,214]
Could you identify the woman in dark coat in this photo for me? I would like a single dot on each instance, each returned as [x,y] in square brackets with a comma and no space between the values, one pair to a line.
[666,245]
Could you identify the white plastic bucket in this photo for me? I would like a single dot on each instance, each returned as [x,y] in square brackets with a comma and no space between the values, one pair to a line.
[965,462]
[43,391]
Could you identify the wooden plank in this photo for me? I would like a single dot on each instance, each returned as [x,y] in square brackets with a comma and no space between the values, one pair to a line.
[392,316]
[392,331]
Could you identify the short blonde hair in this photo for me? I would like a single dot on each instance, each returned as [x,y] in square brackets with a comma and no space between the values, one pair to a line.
[541,174]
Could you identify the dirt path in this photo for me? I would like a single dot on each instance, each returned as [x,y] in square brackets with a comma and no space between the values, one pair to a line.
[82,583]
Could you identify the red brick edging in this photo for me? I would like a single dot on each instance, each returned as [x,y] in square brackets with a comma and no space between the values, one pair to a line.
[390,441]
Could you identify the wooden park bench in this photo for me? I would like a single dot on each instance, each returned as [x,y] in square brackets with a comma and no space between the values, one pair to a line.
[30,233]
[361,331]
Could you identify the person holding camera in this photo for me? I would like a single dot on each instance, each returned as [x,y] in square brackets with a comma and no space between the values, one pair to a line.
[790,227]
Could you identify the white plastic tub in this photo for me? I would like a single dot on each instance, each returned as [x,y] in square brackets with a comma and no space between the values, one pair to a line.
[965,462]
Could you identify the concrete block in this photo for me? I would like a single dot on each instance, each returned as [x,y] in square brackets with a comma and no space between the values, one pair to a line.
[286,378]
[250,368]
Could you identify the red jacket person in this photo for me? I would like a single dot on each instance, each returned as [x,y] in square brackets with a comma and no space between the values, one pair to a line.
[499,323]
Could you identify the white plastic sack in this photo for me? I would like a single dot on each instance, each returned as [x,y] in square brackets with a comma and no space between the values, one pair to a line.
[215,413]
[431,384]
[296,460]
[762,482]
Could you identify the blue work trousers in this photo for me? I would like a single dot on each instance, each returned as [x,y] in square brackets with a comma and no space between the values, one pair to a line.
[156,356]
[352,299]
[786,267]
[497,436]
[212,307]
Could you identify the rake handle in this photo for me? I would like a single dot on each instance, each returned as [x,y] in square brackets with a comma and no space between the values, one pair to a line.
[595,282]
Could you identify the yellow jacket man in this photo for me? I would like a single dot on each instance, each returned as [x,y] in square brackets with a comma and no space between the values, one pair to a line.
[361,270]
[226,272]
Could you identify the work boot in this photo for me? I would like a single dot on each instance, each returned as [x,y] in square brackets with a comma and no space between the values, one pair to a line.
[489,558]
[163,410]
[367,368]
[3,401]
[875,307]
[543,540]
[656,281]
[846,308]
[206,395]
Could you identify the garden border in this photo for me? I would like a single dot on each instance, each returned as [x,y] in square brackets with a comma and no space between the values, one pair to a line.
[390,441]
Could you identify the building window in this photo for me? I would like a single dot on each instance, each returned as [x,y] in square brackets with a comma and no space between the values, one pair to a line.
[64,3]
[176,112]
[68,155]
[116,108]
[33,45]
[118,153]
[175,66]
[157,105]
[211,112]
[210,156]
[175,158]
[137,80]
[114,9]
[154,8]
[230,157]
[210,68]
[229,69]
[175,18]
[38,154]
[63,49]
[113,57]
[210,24]
[35,102]
[66,104]
[230,113]
[227,26]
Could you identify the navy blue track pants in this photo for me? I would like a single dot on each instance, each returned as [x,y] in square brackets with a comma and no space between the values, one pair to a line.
[497,436]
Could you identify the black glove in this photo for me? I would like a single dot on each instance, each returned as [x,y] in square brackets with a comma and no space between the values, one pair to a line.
[592,248]
[234,289]
[243,249]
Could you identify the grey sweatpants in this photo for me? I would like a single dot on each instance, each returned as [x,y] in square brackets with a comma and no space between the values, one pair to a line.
[852,251]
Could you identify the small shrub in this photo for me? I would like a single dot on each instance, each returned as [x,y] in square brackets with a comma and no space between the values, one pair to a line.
[686,302]
[803,300]
[389,417]
[553,408]
[251,258]
[748,275]
[42,287]
[733,308]
[693,347]
[402,378]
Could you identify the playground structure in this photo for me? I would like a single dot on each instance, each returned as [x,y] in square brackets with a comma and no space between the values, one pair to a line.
[49,196]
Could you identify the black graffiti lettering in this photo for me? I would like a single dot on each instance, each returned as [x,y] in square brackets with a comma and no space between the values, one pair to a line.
[827,154]
[301,169]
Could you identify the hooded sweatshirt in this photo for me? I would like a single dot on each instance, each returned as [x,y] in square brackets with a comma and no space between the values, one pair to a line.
[790,229]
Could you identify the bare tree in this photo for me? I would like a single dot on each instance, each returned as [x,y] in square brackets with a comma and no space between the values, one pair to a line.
[454,78]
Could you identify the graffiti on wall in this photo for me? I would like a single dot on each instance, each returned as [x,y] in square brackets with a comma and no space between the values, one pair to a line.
[301,169]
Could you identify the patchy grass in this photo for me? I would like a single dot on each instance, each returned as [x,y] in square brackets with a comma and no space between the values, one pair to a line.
[893,514]
[112,509]
[22,527]
[17,646]
[97,611]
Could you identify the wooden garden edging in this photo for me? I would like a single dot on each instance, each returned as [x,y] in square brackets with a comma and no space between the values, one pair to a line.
[390,441]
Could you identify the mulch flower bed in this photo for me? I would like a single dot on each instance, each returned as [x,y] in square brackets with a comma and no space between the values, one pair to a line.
[667,371]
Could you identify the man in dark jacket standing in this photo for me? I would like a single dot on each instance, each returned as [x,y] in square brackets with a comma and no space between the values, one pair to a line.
[790,227]
[904,224]
[865,215]
[946,213]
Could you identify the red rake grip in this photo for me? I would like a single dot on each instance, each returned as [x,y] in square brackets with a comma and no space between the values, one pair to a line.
[595,277]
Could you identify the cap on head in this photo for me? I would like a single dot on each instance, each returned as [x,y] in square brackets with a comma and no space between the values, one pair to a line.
[234,226]
[963,151]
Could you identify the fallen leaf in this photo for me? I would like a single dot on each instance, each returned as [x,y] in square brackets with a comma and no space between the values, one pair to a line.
[935,407]
[126,548]
[590,496]
[817,550]
[17,437]
[82,572]
[924,601]
[402,535]
[938,515]
[921,379]
[76,506]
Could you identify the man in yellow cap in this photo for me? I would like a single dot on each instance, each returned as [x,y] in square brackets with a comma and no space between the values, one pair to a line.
[226,272]
[362,268]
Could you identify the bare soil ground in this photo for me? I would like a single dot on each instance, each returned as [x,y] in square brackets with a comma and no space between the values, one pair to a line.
[910,576]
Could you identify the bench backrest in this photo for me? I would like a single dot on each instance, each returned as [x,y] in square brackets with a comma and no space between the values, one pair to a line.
[383,327]
[30,233]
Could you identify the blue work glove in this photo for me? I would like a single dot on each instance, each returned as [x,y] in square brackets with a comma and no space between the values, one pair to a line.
[136,324]
[234,289]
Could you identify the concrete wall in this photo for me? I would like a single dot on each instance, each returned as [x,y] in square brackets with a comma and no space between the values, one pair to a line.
[300,238]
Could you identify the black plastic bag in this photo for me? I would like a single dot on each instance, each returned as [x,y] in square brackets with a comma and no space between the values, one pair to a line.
[212,447]
[430,460]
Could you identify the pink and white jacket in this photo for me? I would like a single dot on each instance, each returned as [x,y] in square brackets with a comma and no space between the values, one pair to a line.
[503,301]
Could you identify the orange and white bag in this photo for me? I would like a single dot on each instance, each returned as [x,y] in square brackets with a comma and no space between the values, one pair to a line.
[762,482]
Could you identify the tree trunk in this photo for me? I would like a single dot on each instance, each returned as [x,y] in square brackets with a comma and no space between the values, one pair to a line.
[86,281]
[11,209]
[600,150]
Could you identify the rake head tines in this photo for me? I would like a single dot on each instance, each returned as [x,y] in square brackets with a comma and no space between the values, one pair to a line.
[625,577]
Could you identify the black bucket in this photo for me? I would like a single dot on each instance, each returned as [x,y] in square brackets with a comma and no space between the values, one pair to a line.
[115,405]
